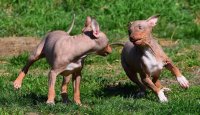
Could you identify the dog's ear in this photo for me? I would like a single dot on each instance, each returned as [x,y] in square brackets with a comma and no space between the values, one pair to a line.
[152,20]
[87,25]
[88,21]
[95,28]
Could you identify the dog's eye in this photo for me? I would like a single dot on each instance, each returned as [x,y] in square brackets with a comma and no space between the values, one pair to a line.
[140,27]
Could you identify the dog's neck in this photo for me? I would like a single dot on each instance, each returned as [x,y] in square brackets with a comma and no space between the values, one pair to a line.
[89,34]
[100,42]
[153,56]
[149,46]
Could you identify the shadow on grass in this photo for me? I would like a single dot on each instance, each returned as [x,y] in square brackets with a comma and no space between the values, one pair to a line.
[124,90]
[35,99]
[23,100]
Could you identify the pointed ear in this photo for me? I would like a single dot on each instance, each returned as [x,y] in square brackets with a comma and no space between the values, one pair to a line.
[88,21]
[95,28]
[152,20]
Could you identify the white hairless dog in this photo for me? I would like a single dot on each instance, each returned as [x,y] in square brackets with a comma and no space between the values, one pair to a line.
[66,54]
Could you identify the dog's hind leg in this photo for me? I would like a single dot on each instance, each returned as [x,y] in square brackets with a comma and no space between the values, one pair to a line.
[134,78]
[64,90]
[36,55]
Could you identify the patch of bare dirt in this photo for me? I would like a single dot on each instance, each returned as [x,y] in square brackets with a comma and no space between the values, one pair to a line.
[166,82]
[32,113]
[197,19]
[195,71]
[16,45]
[167,42]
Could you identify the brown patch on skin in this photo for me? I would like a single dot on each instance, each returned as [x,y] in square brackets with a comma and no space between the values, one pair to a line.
[12,46]
[167,42]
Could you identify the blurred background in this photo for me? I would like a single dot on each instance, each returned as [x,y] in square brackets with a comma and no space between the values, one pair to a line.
[179,19]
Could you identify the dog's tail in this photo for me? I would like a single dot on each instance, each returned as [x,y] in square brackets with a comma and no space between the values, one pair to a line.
[72,25]
[117,44]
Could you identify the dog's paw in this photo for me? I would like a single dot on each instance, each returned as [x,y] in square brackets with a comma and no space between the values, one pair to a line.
[17,84]
[78,102]
[50,102]
[140,94]
[183,82]
[162,96]
[67,101]
[65,98]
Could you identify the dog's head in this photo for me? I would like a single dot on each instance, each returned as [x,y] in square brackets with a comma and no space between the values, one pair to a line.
[140,30]
[92,30]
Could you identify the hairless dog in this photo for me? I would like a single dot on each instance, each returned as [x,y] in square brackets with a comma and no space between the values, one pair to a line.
[66,54]
[143,55]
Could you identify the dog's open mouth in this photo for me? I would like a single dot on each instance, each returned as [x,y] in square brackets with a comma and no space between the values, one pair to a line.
[105,54]
[136,41]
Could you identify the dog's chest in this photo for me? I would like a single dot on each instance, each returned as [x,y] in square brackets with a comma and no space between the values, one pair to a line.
[75,65]
[152,64]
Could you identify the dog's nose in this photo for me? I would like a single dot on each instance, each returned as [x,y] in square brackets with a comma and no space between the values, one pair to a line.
[104,52]
[109,49]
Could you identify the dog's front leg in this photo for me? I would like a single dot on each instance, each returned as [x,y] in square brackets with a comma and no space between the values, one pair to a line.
[76,86]
[156,80]
[159,92]
[51,83]
[176,72]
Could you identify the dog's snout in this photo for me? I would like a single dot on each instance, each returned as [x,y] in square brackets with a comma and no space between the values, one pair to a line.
[109,49]
[105,51]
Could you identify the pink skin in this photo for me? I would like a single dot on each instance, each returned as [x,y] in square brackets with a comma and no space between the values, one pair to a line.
[66,54]
[145,56]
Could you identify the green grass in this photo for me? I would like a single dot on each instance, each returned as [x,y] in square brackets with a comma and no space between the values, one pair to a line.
[105,89]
